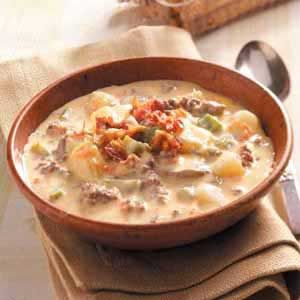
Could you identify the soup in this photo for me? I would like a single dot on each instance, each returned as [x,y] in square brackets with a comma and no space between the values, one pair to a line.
[147,152]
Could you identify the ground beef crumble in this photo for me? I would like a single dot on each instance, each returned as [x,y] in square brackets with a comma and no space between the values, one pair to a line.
[246,156]
[153,187]
[55,129]
[199,107]
[92,194]
[49,166]
[60,151]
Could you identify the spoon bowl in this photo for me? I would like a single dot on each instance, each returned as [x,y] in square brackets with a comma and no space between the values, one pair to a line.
[260,61]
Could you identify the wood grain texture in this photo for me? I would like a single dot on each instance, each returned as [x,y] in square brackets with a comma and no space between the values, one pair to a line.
[207,75]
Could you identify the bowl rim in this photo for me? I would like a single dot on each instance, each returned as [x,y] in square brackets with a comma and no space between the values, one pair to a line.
[42,205]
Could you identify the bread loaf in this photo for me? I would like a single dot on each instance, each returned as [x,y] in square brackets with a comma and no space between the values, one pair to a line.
[201,16]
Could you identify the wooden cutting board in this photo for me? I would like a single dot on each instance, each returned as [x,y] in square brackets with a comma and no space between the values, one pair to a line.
[202,16]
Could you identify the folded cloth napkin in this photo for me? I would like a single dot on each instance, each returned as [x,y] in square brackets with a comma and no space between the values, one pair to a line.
[258,258]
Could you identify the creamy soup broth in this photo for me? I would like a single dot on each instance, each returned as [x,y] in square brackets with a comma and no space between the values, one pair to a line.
[147,152]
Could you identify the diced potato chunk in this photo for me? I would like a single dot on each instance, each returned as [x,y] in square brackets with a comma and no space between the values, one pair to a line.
[99,99]
[186,165]
[186,193]
[247,118]
[209,196]
[228,165]
[117,112]
[133,146]
[125,185]
[194,138]
[85,161]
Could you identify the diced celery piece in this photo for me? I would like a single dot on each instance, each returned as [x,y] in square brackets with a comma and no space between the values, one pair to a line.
[64,115]
[133,146]
[39,149]
[149,134]
[56,194]
[210,123]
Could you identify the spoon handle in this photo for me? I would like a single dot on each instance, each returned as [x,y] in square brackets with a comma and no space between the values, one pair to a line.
[291,191]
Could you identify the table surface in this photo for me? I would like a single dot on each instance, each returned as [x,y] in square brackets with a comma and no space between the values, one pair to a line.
[28,26]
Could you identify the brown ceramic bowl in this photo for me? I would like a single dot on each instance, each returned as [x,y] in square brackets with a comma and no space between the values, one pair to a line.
[212,77]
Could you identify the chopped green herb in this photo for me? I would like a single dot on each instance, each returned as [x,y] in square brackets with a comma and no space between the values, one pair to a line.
[64,115]
[56,194]
[210,123]
[39,149]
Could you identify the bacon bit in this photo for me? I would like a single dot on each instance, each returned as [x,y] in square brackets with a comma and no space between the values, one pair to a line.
[103,123]
[108,136]
[115,151]
[244,131]
[135,131]
[85,152]
[131,161]
[163,141]
[150,105]
[141,110]
[77,135]
[152,114]
[177,126]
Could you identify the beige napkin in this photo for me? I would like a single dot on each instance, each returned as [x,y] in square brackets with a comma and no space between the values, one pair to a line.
[253,259]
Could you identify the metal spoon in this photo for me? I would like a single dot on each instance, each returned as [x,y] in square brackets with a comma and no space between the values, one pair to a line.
[260,61]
